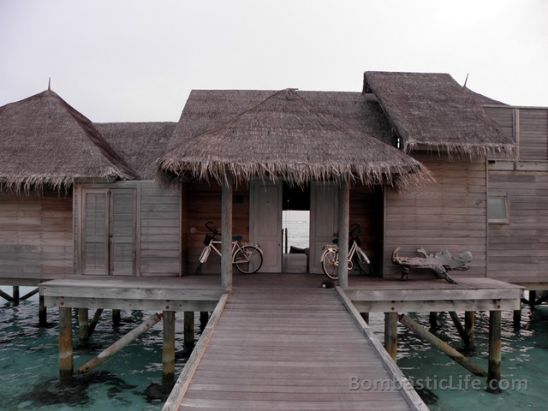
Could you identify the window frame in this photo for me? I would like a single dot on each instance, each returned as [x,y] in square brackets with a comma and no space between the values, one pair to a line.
[506,220]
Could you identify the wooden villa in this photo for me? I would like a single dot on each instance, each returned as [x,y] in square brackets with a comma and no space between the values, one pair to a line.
[112,216]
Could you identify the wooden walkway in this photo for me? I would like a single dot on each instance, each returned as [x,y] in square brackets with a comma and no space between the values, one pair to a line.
[281,348]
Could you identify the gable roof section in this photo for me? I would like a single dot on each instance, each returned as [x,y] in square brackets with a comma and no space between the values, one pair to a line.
[287,135]
[431,111]
[44,141]
[140,144]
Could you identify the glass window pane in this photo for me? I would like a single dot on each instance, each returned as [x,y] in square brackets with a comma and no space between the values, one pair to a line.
[496,208]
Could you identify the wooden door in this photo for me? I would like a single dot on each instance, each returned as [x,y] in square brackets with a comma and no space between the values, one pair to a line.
[323,220]
[109,231]
[95,232]
[265,222]
[122,231]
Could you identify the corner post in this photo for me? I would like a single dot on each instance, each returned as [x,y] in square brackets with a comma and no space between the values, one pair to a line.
[391,333]
[344,221]
[226,234]
[65,344]
[493,377]
[168,351]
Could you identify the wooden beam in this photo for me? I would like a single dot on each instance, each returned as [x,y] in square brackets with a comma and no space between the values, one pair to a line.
[94,321]
[6,296]
[442,345]
[83,327]
[495,358]
[168,351]
[65,344]
[344,222]
[226,235]
[188,332]
[29,294]
[391,334]
[42,313]
[121,343]
[470,330]
[460,329]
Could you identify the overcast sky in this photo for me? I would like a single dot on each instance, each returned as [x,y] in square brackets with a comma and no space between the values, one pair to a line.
[138,60]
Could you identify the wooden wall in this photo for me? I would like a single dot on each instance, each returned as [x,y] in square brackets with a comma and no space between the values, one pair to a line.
[449,214]
[518,251]
[203,204]
[35,236]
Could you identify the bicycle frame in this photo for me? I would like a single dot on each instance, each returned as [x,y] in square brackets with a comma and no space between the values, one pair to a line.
[354,248]
[211,246]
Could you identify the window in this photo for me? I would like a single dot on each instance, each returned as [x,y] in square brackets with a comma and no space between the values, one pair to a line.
[497,209]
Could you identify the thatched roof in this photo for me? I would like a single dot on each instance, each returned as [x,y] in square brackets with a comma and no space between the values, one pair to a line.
[290,135]
[431,111]
[139,144]
[46,142]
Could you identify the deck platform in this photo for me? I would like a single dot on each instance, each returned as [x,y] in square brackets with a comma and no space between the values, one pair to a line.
[287,346]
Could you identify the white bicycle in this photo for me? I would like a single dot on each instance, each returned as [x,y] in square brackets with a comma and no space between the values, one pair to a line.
[330,256]
[248,258]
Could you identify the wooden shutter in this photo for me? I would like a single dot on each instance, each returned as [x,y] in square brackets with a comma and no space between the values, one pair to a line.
[95,232]
[122,231]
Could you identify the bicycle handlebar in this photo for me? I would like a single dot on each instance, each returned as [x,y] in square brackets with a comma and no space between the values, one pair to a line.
[211,228]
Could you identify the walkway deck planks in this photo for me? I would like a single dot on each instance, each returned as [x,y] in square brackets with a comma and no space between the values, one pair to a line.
[277,348]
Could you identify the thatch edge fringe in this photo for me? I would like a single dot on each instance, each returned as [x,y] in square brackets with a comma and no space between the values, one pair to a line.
[298,174]
[37,182]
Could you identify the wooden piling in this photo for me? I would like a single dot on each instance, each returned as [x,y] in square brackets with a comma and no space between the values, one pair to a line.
[517,319]
[121,343]
[15,295]
[391,334]
[204,317]
[532,298]
[188,332]
[470,330]
[442,345]
[116,317]
[433,319]
[83,327]
[495,358]
[65,344]
[42,312]
[168,351]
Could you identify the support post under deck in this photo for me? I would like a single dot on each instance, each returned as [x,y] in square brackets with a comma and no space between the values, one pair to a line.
[116,318]
[344,218]
[42,312]
[168,351]
[226,234]
[65,344]
[470,330]
[495,358]
[15,295]
[391,334]
[204,317]
[83,327]
[188,332]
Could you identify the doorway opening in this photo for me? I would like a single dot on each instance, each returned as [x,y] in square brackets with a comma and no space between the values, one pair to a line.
[295,229]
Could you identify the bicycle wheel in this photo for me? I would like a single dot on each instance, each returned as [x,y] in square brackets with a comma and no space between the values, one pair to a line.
[330,264]
[248,259]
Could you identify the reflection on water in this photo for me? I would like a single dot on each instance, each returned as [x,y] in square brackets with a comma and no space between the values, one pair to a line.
[29,359]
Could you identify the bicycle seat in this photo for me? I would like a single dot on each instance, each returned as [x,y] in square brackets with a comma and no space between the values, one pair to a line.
[237,238]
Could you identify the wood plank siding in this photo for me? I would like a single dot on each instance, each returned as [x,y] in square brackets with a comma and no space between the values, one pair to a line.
[204,204]
[35,236]
[128,228]
[449,214]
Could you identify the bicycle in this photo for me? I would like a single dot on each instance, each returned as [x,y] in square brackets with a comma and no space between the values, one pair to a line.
[248,258]
[330,256]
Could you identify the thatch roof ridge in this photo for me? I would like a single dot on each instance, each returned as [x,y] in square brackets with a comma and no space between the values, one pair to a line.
[139,143]
[44,141]
[432,111]
[285,137]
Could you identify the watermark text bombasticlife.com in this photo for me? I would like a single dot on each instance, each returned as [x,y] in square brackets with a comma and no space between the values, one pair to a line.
[450,383]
